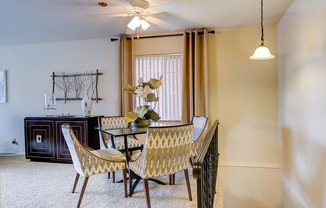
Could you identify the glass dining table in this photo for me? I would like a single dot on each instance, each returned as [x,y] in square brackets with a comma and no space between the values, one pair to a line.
[124,132]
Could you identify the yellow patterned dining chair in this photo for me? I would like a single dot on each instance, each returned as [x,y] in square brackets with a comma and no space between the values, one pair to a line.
[106,142]
[200,130]
[88,162]
[166,151]
[198,137]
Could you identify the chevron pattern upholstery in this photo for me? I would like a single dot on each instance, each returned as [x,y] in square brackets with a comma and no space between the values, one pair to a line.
[114,122]
[200,131]
[88,162]
[166,151]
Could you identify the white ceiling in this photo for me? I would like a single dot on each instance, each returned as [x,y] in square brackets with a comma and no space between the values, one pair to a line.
[39,21]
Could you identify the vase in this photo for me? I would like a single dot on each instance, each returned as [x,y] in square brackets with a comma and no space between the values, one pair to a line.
[50,104]
[87,106]
[140,123]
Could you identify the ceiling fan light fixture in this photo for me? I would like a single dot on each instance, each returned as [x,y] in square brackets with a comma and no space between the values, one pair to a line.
[144,24]
[262,52]
[134,23]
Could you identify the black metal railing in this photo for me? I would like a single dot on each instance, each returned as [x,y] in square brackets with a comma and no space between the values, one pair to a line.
[205,169]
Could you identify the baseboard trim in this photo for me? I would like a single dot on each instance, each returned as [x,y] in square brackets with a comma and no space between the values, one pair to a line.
[11,153]
[249,165]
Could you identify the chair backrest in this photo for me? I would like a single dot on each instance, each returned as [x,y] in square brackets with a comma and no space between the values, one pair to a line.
[109,122]
[200,126]
[166,150]
[75,148]
[200,131]
[89,162]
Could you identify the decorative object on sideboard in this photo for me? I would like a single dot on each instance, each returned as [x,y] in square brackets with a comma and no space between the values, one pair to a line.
[70,86]
[50,105]
[3,86]
[86,106]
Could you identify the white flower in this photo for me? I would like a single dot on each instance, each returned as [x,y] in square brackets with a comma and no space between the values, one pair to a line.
[143,91]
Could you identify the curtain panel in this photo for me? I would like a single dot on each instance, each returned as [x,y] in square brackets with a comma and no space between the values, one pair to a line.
[195,75]
[125,73]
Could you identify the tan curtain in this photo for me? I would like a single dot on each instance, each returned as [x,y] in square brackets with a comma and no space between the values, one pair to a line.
[125,73]
[195,75]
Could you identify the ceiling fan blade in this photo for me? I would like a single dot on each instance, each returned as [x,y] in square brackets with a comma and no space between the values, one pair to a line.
[161,23]
[125,4]
[91,16]
[164,7]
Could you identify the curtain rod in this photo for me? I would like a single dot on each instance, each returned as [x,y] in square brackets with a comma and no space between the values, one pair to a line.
[161,36]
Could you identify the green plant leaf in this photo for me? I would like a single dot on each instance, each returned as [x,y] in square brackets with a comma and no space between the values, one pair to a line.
[141,111]
[154,83]
[151,97]
[130,88]
[152,115]
[130,116]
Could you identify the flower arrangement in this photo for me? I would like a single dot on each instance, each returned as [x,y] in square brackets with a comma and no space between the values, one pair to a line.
[146,92]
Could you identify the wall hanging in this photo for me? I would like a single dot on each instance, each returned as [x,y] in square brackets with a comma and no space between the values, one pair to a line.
[75,86]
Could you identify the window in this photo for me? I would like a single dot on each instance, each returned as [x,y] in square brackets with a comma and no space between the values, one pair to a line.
[169,66]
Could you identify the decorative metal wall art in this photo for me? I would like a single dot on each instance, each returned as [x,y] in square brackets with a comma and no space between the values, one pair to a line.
[75,86]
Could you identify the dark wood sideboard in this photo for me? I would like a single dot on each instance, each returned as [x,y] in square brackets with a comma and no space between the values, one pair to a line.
[44,140]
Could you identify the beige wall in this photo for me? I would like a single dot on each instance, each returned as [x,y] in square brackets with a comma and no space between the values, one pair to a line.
[163,45]
[302,75]
[243,95]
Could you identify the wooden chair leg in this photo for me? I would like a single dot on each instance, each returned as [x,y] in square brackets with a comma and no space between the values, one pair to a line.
[125,181]
[148,201]
[188,184]
[172,179]
[109,175]
[82,192]
[75,183]
[191,163]
[130,181]
[113,176]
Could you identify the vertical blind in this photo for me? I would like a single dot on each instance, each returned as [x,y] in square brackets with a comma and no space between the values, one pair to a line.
[169,66]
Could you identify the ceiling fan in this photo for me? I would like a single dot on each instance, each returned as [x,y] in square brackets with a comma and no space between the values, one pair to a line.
[142,14]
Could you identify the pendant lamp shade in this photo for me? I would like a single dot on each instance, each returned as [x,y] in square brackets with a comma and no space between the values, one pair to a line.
[134,23]
[262,52]
[138,22]
[144,25]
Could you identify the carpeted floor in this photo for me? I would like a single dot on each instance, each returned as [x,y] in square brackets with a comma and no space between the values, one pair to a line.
[26,184]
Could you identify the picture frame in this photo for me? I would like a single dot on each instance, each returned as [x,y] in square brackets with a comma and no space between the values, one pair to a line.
[3,86]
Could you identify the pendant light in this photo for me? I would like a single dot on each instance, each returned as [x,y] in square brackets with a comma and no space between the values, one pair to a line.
[262,52]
